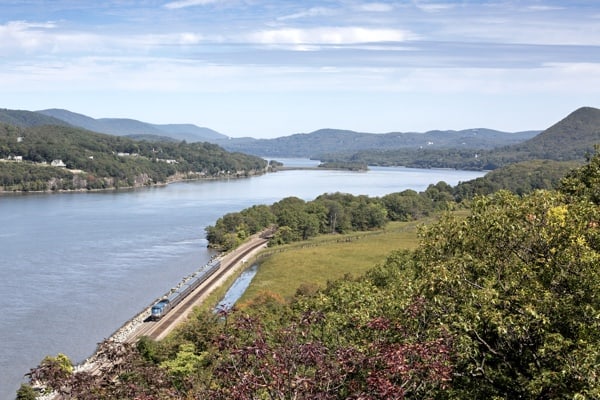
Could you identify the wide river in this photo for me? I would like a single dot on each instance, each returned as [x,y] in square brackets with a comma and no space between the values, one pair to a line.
[76,266]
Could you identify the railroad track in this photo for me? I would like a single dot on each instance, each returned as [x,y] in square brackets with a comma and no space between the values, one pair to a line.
[159,329]
[96,365]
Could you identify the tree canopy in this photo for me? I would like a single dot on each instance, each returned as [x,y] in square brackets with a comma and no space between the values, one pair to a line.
[98,161]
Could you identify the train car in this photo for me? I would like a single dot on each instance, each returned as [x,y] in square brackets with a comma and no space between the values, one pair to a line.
[159,309]
[162,307]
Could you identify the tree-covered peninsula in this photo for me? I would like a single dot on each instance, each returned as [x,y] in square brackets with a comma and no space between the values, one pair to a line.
[58,157]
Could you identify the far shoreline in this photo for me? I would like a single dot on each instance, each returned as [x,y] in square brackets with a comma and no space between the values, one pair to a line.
[169,181]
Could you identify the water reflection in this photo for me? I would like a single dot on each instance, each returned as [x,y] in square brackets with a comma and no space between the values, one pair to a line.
[238,288]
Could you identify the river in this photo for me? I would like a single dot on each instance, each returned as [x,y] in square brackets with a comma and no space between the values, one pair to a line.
[76,266]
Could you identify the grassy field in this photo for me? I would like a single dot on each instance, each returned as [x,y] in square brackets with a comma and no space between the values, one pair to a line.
[284,269]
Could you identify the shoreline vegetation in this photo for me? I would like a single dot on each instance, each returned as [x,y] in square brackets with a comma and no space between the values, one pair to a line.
[51,158]
[184,177]
[189,177]
[401,316]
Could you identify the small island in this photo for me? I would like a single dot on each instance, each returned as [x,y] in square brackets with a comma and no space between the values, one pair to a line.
[345,165]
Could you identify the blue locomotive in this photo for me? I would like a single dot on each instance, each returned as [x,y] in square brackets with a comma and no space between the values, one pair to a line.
[163,306]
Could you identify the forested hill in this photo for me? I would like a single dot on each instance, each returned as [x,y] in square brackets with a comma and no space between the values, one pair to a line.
[338,141]
[570,139]
[130,127]
[307,145]
[27,118]
[52,157]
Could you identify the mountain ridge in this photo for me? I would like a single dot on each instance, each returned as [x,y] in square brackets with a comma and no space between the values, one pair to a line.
[129,127]
[309,145]
[573,138]
[328,140]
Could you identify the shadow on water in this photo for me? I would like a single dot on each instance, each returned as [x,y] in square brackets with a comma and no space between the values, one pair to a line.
[238,288]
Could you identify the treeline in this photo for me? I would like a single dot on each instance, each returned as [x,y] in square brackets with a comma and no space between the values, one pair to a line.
[107,161]
[571,139]
[465,159]
[502,304]
[297,219]
[520,178]
[350,166]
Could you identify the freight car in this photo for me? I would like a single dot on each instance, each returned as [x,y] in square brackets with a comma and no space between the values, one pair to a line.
[162,307]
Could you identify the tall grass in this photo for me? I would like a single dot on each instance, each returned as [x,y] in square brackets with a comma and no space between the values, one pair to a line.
[312,263]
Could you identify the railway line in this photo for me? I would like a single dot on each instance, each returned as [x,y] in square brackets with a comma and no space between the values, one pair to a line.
[159,329]
[142,325]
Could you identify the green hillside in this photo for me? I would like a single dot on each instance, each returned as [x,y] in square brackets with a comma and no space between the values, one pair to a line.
[570,139]
[88,160]
[129,127]
[27,118]
[336,141]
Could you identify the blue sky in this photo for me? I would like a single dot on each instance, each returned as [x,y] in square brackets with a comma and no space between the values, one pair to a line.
[275,67]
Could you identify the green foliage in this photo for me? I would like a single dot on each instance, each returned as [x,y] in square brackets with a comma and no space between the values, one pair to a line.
[517,283]
[185,364]
[103,161]
[350,166]
[584,182]
[298,220]
[27,118]
[329,144]
[501,304]
[61,361]
[519,178]
[571,139]
[26,392]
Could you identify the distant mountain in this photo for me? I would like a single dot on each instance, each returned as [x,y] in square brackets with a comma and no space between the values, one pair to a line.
[315,144]
[24,118]
[570,139]
[335,141]
[132,127]
[185,131]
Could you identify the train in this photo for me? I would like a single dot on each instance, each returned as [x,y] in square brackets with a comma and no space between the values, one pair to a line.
[163,306]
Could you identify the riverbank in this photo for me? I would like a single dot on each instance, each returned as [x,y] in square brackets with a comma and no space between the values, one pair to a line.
[232,264]
[180,177]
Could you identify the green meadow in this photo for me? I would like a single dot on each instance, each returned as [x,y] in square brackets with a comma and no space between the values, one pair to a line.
[310,264]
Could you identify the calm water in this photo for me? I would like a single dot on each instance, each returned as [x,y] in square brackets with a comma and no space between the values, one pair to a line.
[76,266]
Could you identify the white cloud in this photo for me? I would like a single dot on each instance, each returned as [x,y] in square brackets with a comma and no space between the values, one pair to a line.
[544,8]
[433,7]
[330,35]
[28,37]
[23,34]
[311,12]
[188,3]
[375,7]
[189,38]
[43,39]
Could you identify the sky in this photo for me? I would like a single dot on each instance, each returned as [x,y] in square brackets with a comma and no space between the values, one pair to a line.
[271,68]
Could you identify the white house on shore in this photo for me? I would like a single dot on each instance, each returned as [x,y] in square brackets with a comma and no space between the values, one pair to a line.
[58,163]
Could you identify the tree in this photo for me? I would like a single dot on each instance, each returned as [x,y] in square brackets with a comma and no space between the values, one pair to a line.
[584,182]
[517,283]
[26,392]
[368,214]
